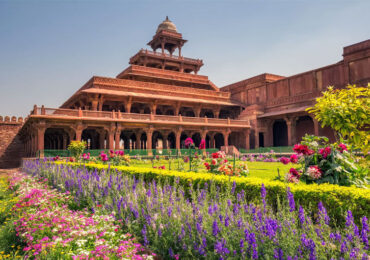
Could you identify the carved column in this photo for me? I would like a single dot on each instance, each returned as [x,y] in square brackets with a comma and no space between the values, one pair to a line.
[197,111]
[291,122]
[78,129]
[256,138]
[178,138]
[226,137]
[153,108]
[117,137]
[247,139]
[128,105]
[138,141]
[217,112]
[177,108]
[149,135]
[40,138]
[101,138]
[316,126]
[64,142]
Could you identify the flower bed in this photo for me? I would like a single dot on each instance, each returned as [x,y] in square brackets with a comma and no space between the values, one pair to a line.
[337,199]
[51,230]
[207,224]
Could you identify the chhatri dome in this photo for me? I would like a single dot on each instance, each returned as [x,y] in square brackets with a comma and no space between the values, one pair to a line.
[167,25]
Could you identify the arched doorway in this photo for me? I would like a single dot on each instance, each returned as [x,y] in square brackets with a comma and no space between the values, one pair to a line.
[182,139]
[197,139]
[56,139]
[280,133]
[219,140]
[157,140]
[92,138]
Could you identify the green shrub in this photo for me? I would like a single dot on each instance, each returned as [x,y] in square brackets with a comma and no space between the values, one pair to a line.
[337,199]
[77,148]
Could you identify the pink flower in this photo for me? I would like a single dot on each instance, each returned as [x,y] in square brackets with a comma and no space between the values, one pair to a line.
[314,172]
[342,147]
[302,149]
[284,160]
[202,144]
[293,158]
[214,162]
[189,142]
[325,152]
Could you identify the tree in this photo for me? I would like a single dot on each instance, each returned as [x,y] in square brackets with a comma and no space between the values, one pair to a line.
[347,111]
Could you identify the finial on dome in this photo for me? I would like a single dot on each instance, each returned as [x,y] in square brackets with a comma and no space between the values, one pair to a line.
[167,25]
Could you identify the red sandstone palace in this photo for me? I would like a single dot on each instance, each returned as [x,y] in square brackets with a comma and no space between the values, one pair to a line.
[160,99]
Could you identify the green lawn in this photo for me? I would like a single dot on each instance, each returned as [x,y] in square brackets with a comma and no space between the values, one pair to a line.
[264,170]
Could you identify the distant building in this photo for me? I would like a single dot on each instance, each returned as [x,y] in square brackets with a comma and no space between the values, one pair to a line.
[160,100]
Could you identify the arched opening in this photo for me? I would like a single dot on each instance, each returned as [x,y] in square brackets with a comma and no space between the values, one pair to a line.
[219,140]
[56,139]
[146,110]
[92,139]
[304,126]
[207,112]
[171,140]
[158,111]
[197,139]
[208,141]
[187,111]
[225,114]
[234,139]
[182,139]
[157,140]
[143,139]
[280,133]
[170,112]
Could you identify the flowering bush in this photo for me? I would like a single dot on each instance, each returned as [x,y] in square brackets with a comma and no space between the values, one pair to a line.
[267,157]
[76,148]
[115,157]
[202,223]
[323,162]
[220,165]
[50,230]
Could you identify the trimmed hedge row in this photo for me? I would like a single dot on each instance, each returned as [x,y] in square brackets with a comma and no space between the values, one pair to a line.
[337,199]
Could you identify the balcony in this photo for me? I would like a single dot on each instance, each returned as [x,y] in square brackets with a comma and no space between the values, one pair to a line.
[134,118]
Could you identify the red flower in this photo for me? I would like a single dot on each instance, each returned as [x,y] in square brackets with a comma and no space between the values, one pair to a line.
[342,147]
[215,155]
[325,152]
[99,205]
[294,172]
[293,158]
[202,144]
[188,142]
[214,162]
[284,160]
[302,149]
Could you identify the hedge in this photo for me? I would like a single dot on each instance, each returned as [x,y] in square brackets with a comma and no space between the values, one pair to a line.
[337,199]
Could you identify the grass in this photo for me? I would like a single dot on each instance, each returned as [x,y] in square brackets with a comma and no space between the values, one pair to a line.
[263,170]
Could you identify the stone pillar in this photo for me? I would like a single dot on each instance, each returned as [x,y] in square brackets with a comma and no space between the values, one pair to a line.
[291,122]
[226,138]
[153,108]
[197,111]
[117,138]
[40,139]
[149,135]
[203,134]
[94,105]
[102,139]
[256,138]
[64,147]
[247,139]
[138,141]
[316,126]
[128,105]
[217,113]
[111,139]
[78,134]
[178,138]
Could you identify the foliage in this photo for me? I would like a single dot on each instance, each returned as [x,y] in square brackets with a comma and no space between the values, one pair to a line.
[347,111]
[337,199]
[201,223]
[323,162]
[76,149]
[51,231]
[218,164]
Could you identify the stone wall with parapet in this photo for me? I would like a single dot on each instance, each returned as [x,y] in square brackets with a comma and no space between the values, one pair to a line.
[11,146]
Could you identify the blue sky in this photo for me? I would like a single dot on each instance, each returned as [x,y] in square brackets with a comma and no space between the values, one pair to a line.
[48,49]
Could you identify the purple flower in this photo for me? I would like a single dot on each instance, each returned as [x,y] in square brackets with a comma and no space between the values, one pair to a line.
[291,200]
[323,214]
[233,188]
[349,219]
[215,229]
[301,215]
[364,232]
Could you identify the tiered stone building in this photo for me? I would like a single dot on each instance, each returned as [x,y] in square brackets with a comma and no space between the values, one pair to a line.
[160,99]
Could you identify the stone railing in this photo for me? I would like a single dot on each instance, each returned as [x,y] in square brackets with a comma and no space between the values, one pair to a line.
[11,120]
[166,55]
[135,117]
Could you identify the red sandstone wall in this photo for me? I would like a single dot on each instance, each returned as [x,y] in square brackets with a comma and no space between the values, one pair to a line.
[11,147]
